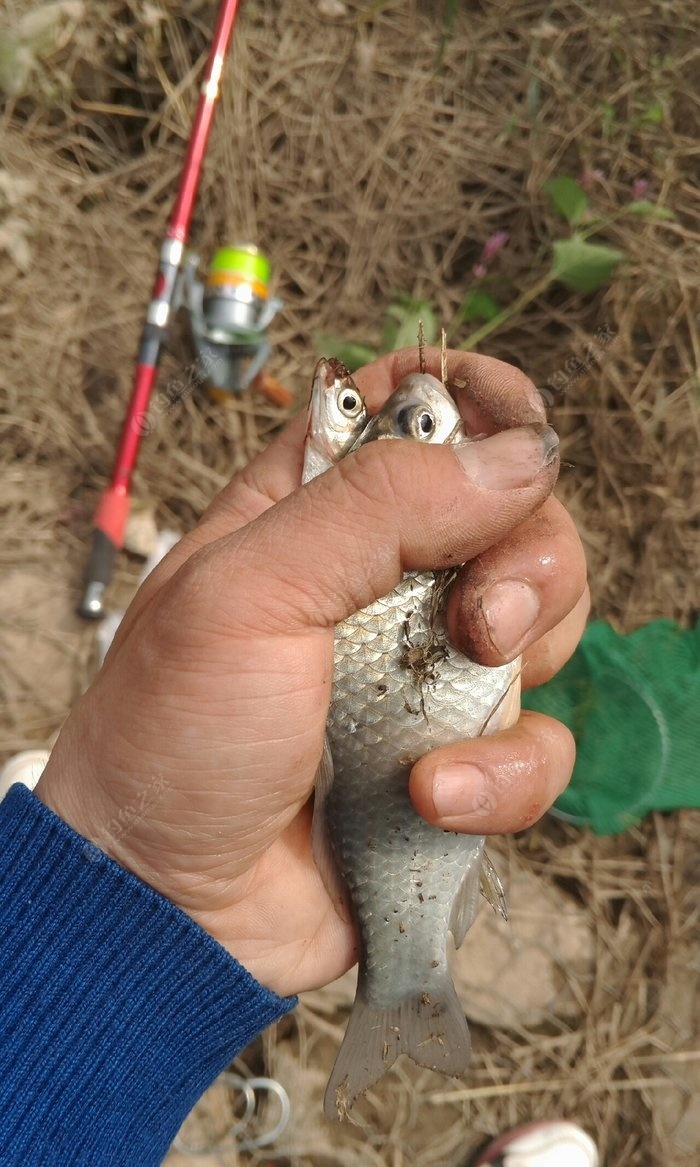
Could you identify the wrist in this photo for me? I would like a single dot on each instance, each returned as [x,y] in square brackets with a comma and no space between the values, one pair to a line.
[81,804]
[106,814]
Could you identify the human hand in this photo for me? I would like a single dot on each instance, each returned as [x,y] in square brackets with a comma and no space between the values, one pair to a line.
[219,677]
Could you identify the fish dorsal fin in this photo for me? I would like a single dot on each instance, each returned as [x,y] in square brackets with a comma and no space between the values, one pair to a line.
[467,898]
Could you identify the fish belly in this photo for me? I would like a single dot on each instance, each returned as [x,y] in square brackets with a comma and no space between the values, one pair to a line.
[403,876]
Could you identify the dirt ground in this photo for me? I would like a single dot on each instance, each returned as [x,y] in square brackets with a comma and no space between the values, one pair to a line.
[373,149]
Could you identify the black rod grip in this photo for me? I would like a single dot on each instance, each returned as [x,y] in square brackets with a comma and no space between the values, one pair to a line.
[98,574]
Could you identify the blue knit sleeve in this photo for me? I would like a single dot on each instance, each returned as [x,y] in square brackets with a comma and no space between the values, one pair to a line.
[116,1009]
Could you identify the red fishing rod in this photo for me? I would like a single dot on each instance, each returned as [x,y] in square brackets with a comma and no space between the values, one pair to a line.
[113,509]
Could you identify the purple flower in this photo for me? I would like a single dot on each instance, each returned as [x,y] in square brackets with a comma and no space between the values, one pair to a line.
[493,245]
[491,248]
[640,186]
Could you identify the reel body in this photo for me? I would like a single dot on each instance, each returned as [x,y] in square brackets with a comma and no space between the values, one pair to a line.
[229,314]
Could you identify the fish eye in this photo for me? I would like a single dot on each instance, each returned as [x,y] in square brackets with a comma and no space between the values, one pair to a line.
[349,403]
[426,423]
[415,422]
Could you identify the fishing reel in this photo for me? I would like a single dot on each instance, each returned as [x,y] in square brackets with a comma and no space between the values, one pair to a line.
[229,313]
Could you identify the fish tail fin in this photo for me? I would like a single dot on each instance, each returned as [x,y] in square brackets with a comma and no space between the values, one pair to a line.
[430,1027]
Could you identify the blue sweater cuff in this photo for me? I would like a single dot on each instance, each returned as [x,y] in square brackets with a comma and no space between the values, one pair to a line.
[117,1011]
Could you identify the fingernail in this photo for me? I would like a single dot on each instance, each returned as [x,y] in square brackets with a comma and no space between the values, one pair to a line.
[461,790]
[510,609]
[509,459]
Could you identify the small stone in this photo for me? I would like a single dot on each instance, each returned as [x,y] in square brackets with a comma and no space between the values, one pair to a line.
[141,533]
[332,9]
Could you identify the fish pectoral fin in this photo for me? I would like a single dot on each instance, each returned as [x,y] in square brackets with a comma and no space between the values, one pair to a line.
[320,841]
[506,711]
[466,900]
[492,889]
[430,1027]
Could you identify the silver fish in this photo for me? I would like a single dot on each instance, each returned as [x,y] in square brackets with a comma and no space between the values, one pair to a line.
[337,415]
[400,689]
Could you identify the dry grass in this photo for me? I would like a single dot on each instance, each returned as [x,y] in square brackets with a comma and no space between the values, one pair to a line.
[364,170]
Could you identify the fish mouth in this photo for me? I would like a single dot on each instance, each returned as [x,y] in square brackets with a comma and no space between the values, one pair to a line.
[325,431]
[336,367]
[329,370]
[324,376]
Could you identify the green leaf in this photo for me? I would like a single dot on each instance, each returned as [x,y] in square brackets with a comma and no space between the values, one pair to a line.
[583,266]
[479,306]
[352,353]
[653,210]
[654,113]
[400,328]
[567,197]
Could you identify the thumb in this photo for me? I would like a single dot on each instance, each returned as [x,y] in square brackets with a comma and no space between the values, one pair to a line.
[338,543]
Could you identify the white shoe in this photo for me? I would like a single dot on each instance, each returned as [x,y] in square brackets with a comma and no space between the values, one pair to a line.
[541,1144]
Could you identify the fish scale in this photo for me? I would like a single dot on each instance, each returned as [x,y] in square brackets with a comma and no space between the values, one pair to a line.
[377,701]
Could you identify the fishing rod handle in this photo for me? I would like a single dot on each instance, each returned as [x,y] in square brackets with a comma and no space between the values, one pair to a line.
[98,574]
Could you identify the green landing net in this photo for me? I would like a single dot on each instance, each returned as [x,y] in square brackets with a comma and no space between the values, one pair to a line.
[633,705]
